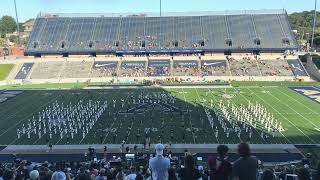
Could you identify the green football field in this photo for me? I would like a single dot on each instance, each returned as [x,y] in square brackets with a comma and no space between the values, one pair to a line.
[186,122]
[5,70]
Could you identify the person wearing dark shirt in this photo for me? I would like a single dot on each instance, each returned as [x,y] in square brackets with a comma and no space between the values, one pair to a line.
[317,174]
[172,174]
[303,174]
[189,172]
[245,168]
[220,168]
[268,175]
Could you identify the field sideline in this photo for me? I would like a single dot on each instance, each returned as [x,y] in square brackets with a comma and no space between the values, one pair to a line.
[300,116]
[232,83]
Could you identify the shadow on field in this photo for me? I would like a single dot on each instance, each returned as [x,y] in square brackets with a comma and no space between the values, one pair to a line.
[133,116]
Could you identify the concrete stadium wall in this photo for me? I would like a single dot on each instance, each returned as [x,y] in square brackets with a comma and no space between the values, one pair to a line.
[312,68]
[132,79]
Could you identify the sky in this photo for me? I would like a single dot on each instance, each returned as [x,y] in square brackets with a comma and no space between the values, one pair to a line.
[31,8]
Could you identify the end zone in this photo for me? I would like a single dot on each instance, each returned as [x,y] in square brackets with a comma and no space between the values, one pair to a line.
[309,92]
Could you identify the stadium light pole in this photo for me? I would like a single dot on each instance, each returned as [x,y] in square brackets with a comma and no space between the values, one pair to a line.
[314,22]
[160,8]
[18,28]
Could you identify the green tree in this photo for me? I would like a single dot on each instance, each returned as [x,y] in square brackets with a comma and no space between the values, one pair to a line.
[316,40]
[7,25]
[303,21]
[21,27]
[13,39]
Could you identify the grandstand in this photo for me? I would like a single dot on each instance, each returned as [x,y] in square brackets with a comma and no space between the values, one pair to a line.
[133,69]
[104,69]
[198,54]
[185,68]
[46,70]
[248,31]
[100,69]
[79,69]
[207,68]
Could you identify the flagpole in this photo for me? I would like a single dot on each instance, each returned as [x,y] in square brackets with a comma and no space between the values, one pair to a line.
[18,28]
[314,22]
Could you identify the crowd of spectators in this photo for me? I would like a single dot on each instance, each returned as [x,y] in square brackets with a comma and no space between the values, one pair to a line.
[220,69]
[246,66]
[275,68]
[104,71]
[138,70]
[161,166]
[185,70]
[158,71]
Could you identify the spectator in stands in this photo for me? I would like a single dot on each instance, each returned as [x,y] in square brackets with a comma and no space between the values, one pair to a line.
[1,174]
[34,175]
[220,168]
[8,175]
[83,176]
[245,168]
[189,172]
[159,165]
[303,174]
[102,175]
[204,174]
[268,175]
[59,175]
[139,177]
[131,175]
[119,175]
[283,173]
[172,174]
[317,173]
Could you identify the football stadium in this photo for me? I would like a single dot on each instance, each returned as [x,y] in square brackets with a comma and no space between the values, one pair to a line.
[109,90]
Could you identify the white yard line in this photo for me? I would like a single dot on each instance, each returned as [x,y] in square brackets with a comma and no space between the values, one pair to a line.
[283,116]
[99,119]
[185,101]
[207,117]
[296,113]
[216,100]
[16,112]
[257,131]
[30,115]
[23,119]
[314,112]
[109,105]
[64,135]
[253,128]
[13,141]
[111,127]
[294,110]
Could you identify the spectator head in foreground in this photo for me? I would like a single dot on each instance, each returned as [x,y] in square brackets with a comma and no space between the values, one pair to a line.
[159,149]
[58,175]
[189,171]
[244,150]
[246,167]
[222,151]
[189,162]
[159,165]
[34,175]
[268,175]
[220,168]
[317,174]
